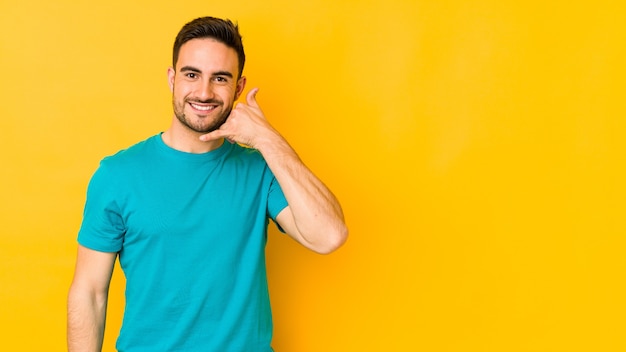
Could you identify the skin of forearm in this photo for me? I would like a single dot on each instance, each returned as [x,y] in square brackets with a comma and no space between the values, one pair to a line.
[85,322]
[316,211]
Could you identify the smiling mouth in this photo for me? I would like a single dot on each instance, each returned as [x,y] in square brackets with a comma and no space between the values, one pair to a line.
[203,107]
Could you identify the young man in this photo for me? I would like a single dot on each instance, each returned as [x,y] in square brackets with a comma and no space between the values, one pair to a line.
[187,212]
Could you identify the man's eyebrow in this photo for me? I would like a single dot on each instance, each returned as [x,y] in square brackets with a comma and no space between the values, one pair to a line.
[197,70]
[223,73]
[190,68]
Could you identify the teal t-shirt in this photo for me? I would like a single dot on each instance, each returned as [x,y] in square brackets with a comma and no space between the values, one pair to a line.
[191,231]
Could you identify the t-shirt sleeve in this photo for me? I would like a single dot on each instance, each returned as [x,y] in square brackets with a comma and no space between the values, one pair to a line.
[276,201]
[102,228]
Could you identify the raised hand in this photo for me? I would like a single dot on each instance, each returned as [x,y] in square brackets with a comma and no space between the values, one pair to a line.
[313,217]
[246,125]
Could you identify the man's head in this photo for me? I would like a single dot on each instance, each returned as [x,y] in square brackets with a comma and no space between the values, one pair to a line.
[206,78]
[224,31]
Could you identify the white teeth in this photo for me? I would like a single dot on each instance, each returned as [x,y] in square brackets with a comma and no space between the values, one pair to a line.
[203,108]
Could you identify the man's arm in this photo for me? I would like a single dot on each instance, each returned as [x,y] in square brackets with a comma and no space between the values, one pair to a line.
[314,216]
[87,300]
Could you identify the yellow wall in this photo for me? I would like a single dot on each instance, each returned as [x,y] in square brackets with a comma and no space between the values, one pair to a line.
[477,147]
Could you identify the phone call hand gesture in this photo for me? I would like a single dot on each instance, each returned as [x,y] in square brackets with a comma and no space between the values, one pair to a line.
[246,125]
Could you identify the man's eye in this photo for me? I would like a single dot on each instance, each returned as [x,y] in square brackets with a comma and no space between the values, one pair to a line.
[221,79]
[190,75]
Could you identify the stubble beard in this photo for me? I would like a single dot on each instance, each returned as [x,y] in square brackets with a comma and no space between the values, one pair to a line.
[179,111]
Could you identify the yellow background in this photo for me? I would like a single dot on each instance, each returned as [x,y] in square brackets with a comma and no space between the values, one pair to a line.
[477,148]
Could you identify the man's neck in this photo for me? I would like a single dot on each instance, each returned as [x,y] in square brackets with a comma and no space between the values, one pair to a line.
[185,140]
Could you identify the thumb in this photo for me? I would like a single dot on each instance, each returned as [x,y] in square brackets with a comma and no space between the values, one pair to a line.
[251,98]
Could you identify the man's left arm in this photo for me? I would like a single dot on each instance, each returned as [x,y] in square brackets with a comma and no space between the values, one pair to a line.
[313,217]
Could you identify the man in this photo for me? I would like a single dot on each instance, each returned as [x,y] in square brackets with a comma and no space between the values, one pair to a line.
[187,212]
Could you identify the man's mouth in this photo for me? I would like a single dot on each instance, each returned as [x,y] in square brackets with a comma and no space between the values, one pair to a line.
[202,107]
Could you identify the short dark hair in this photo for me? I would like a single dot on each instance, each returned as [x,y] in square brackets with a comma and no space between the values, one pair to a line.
[224,31]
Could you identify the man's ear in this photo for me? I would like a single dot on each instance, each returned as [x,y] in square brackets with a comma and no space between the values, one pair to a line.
[241,84]
[171,74]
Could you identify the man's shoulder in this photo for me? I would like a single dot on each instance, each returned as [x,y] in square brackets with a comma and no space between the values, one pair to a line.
[132,153]
[128,158]
[246,153]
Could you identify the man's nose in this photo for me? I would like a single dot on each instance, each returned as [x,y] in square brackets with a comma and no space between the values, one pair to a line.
[205,90]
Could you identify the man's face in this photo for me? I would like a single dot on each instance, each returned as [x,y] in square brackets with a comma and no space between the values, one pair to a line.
[205,84]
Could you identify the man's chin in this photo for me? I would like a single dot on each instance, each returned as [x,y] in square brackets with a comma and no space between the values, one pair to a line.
[201,128]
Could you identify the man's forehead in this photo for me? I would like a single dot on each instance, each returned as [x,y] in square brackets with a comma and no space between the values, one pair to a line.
[207,54]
